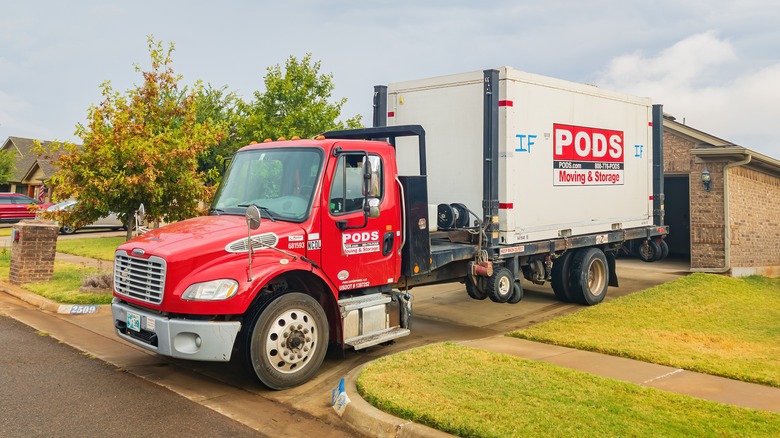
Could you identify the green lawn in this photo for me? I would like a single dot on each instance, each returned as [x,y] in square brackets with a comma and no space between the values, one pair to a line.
[470,392]
[93,247]
[707,323]
[64,286]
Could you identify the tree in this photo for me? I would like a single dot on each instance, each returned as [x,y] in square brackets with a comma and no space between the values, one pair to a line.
[140,147]
[295,103]
[218,106]
[7,165]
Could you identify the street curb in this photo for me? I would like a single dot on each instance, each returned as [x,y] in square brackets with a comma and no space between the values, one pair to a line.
[371,421]
[51,306]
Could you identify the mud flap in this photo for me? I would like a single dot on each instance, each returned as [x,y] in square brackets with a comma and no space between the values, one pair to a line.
[613,279]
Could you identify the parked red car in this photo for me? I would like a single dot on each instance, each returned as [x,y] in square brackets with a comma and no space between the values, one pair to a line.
[15,207]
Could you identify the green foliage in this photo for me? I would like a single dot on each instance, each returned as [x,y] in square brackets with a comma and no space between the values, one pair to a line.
[7,165]
[140,147]
[219,107]
[295,103]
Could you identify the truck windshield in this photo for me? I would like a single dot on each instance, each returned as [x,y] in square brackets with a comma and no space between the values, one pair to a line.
[279,181]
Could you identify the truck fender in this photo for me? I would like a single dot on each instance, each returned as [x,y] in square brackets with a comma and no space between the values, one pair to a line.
[306,278]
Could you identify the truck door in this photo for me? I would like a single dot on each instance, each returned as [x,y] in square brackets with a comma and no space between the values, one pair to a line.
[359,252]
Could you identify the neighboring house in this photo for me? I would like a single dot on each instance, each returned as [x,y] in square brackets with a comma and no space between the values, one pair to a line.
[731,226]
[32,168]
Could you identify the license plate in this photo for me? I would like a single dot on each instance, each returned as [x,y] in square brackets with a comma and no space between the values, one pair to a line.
[134,321]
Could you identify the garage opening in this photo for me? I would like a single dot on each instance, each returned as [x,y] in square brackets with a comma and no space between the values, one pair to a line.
[678,215]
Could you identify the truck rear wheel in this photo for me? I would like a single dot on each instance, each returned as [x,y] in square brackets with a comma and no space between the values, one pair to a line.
[589,276]
[560,278]
[288,341]
[500,286]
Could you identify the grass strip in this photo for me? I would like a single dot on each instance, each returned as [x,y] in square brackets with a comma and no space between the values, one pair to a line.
[706,323]
[476,393]
[102,248]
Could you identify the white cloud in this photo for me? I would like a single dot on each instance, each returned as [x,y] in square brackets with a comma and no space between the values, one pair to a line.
[699,79]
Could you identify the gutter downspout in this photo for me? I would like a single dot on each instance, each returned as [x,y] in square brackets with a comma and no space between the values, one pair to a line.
[727,219]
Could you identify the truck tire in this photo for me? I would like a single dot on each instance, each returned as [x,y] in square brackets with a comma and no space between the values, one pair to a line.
[560,277]
[474,291]
[589,276]
[649,251]
[288,341]
[500,286]
[517,293]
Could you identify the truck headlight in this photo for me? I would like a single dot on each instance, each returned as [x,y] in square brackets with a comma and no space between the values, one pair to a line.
[211,290]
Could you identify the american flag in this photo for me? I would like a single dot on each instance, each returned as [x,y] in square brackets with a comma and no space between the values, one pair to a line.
[42,192]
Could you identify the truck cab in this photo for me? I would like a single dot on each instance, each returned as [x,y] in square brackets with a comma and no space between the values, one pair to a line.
[318,268]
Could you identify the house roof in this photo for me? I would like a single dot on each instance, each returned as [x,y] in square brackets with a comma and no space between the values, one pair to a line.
[710,148]
[28,158]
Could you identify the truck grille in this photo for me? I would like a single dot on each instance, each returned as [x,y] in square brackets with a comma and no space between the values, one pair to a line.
[141,279]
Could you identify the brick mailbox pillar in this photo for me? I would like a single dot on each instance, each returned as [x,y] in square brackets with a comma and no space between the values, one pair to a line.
[34,243]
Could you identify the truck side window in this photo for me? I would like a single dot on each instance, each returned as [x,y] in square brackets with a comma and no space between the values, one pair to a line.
[346,193]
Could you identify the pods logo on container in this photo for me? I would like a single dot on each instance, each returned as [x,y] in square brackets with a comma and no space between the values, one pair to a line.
[587,156]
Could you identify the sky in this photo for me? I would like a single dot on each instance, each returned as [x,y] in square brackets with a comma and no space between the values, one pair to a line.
[714,65]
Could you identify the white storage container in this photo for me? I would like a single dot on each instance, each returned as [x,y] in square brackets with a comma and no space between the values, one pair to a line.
[574,158]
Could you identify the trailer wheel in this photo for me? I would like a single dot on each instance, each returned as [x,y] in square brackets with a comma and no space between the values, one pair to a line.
[288,341]
[500,286]
[473,290]
[517,293]
[589,276]
[664,249]
[649,251]
[561,283]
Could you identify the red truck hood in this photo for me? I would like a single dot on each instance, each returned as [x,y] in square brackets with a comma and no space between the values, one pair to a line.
[202,235]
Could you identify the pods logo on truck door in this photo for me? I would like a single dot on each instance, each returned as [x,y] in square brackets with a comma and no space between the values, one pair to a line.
[587,156]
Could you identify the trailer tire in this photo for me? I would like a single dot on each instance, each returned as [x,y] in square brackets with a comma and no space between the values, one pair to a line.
[649,251]
[500,286]
[517,293]
[589,276]
[473,290]
[288,340]
[561,278]
[664,249]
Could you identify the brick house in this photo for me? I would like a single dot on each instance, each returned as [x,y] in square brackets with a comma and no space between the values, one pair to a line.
[732,226]
[32,168]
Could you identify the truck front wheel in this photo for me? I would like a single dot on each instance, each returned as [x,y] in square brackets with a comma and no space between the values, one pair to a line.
[589,276]
[288,341]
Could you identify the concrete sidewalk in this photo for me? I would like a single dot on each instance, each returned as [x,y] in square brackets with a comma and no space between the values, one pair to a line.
[372,422]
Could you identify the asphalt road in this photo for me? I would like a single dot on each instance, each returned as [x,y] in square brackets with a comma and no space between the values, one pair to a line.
[50,389]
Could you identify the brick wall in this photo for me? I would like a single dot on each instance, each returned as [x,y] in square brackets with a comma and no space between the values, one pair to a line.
[708,249]
[32,256]
[754,210]
[677,154]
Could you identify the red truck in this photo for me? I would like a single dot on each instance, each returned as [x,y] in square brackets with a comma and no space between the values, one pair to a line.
[319,241]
